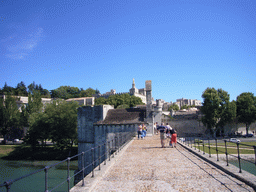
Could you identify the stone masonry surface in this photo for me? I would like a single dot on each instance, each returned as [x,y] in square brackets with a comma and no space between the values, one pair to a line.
[145,166]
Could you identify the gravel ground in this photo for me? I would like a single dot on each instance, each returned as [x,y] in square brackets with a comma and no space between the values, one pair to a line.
[145,166]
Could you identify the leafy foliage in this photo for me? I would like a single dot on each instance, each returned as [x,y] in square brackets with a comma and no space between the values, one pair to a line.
[9,116]
[246,109]
[21,89]
[217,109]
[87,93]
[123,100]
[174,107]
[58,123]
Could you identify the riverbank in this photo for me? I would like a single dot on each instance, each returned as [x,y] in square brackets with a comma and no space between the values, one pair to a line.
[24,152]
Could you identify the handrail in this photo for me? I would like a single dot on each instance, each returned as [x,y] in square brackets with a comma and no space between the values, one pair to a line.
[218,149]
[118,145]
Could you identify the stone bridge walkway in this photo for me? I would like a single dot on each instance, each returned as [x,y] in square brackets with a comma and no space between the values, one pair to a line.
[144,166]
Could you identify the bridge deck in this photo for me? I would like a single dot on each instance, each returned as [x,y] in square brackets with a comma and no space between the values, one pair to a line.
[145,166]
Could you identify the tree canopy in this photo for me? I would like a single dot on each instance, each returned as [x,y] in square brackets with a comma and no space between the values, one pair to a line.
[246,109]
[58,123]
[9,116]
[217,110]
[122,100]
[173,107]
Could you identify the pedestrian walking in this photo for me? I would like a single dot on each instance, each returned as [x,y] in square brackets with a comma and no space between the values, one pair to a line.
[144,131]
[139,131]
[174,138]
[162,130]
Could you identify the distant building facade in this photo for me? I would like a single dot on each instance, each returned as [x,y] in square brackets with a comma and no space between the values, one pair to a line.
[189,102]
[22,100]
[141,93]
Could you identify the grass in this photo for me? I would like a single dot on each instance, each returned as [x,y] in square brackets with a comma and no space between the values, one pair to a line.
[221,149]
[5,150]
[23,152]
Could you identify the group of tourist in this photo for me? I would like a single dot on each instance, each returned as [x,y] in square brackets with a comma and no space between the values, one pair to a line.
[166,132]
[142,131]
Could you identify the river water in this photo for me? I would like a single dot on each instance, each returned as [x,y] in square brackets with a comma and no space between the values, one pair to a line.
[249,167]
[15,169]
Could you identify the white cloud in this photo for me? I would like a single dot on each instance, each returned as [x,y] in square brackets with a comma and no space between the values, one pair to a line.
[21,43]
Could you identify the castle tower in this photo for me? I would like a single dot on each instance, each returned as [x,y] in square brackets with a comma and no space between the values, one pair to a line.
[149,112]
[133,90]
[133,83]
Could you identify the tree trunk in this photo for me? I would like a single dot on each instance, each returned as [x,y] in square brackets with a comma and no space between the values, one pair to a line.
[247,128]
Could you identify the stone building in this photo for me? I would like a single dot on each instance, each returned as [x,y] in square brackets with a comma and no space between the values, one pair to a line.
[189,102]
[87,101]
[141,93]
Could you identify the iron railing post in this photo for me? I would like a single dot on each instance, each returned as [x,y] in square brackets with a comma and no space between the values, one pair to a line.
[118,142]
[113,147]
[8,185]
[46,178]
[105,154]
[99,159]
[83,167]
[226,151]
[199,145]
[203,147]
[68,176]
[92,150]
[217,149]
[239,158]
[254,147]
[116,145]
[109,152]
[209,147]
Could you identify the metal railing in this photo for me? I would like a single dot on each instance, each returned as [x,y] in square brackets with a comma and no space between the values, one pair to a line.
[214,145]
[118,142]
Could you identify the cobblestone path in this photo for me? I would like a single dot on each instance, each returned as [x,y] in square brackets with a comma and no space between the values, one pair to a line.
[145,166]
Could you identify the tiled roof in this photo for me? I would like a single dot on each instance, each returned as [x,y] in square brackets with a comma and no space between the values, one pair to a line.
[124,116]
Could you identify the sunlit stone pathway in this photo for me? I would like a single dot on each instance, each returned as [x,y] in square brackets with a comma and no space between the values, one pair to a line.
[145,166]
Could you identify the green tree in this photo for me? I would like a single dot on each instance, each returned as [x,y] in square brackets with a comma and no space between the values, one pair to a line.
[7,90]
[24,116]
[184,107]
[174,107]
[246,109]
[226,111]
[31,87]
[217,110]
[210,109]
[65,92]
[62,118]
[100,101]
[39,129]
[34,102]
[21,89]
[124,106]
[87,93]
[34,87]
[112,100]
[9,116]
[122,100]
[135,101]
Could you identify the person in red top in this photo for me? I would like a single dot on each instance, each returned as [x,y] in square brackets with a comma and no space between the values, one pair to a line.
[174,138]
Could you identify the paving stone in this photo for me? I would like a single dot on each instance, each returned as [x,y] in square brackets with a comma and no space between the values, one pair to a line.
[145,166]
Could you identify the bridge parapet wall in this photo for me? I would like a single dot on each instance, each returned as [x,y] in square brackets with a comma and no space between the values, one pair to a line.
[91,135]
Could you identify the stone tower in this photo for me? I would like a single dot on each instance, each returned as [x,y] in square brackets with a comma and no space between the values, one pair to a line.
[149,111]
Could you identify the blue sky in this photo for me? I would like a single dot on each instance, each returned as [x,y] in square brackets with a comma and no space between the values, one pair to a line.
[183,46]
